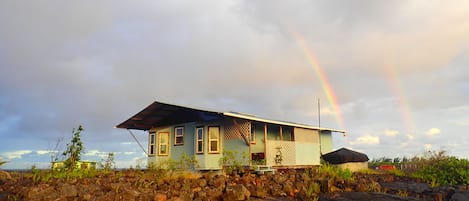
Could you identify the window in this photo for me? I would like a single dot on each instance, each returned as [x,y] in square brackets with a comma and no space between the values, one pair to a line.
[199,140]
[273,132]
[151,144]
[252,138]
[213,139]
[179,136]
[287,134]
[163,141]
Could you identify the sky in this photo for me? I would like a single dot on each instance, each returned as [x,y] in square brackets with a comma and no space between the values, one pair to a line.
[393,74]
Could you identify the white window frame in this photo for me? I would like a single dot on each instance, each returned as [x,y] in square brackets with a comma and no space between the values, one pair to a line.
[179,135]
[210,140]
[160,135]
[151,143]
[199,148]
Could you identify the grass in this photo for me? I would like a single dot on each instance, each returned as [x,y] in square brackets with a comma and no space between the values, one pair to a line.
[333,172]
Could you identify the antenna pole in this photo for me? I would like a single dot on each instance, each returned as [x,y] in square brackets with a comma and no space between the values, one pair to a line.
[319,113]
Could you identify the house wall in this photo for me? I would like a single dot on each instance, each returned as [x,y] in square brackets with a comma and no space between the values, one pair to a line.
[306,135]
[307,154]
[258,145]
[175,151]
[233,139]
[293,153]
[304,150]
[307,146]
[326,142]
[209,161]
[354,166]
[156,159]
[287,151]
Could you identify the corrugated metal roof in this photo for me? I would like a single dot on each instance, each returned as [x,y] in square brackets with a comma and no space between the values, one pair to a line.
[163,114]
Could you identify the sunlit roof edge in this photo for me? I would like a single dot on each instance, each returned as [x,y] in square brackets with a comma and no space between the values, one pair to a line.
[255,118]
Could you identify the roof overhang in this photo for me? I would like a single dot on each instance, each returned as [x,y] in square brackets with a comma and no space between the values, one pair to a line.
[162,114]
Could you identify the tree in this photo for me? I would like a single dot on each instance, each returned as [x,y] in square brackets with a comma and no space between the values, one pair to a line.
[74,149]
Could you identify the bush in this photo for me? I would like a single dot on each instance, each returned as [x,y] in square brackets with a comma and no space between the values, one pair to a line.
[445,171]
[439,169]
[333,172]
[108,163]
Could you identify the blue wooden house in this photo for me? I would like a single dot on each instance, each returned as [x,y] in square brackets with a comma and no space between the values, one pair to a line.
[176,130]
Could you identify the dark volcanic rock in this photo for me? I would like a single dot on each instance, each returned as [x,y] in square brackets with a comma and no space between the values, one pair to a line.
[365,196]
[460,196]
[236,192]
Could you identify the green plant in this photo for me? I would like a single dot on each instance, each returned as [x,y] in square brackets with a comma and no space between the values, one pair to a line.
[313,190]
[374,186]
[158,169]
[74,149]
[108,162]
[327,170]
[444,170]
[368,171]
[230,162]
[278,156]
[186,162]
[397,172]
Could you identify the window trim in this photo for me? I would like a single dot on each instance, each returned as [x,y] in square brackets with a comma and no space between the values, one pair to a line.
[167,143]
[151,146]
[176,136]
[210,140]
[197,140]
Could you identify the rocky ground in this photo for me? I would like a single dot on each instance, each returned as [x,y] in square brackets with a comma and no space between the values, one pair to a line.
[288,185]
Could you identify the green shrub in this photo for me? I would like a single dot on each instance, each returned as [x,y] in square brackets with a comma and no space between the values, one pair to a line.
[231,163]
[108,163]
[397,172]
[74,149]
[333,172]
[439,169]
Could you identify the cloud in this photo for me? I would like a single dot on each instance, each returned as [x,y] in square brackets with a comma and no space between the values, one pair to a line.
[15,154]
[391,133]
[428,147]
[366,139]
[102,67]
[433,132]
[410,136]
[95,152]
[43,152]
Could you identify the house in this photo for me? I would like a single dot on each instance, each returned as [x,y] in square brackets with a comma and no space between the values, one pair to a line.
[347,159]
[174,131]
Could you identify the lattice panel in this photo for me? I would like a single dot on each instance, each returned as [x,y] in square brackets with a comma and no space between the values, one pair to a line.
[232,132]
[288,149]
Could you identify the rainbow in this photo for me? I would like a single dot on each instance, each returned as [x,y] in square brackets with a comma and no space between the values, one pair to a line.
[404,106]
[326,86]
